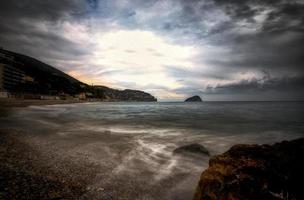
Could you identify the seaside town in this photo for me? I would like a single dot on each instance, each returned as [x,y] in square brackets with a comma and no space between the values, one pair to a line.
[16,83]
[25,78]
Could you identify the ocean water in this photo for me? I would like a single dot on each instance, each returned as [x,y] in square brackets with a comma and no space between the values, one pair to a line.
[131,144]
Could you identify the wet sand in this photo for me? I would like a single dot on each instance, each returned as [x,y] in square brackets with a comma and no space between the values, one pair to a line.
[34,102]
[43,167]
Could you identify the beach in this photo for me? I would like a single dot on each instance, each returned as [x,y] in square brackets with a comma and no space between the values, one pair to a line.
[117,150]
[11,102]
[26,175]
[32,168]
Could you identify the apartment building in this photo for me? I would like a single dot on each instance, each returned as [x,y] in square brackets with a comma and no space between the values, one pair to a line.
[10,77]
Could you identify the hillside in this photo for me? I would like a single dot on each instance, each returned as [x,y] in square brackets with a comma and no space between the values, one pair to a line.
[47,80]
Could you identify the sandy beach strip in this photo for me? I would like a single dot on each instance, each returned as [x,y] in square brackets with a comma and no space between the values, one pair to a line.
[35,102]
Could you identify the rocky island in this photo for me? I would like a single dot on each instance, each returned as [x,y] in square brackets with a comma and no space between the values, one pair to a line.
[255,172]
[194,99]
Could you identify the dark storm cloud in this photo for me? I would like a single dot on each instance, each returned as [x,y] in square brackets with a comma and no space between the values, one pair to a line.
[236,36]
[258,35]
[23,28]
[93,4]
[276,51]
[36,10]
[186,75]
[286,88]
[50,10]
[25,34]
[286,84]
[280,15]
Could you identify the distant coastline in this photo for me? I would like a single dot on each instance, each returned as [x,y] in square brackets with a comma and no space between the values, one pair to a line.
[14,102]
[24,77]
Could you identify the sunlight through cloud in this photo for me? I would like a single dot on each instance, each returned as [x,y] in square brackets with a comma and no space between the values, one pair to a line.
[137,56]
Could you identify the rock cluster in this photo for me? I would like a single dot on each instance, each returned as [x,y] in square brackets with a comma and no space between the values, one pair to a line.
[251,172]
[192,148]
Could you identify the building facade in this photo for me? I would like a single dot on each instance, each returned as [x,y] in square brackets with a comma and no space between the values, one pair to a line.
[10,77]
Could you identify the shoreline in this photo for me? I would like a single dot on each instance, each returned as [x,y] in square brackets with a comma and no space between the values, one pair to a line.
[19,103]
[35,102]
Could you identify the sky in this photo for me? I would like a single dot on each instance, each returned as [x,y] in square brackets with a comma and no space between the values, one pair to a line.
[173,49]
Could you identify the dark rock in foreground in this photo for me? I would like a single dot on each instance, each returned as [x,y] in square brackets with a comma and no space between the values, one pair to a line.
[192,148]
[251,172]
[194,99]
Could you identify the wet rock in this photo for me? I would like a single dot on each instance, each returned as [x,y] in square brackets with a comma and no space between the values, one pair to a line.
[194,99]
[192,148]
[250,172]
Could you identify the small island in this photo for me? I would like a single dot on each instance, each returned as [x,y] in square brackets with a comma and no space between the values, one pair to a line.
[195,98]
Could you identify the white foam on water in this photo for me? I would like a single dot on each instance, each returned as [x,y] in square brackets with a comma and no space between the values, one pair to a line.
[166,170]
[154,157]
[130,141]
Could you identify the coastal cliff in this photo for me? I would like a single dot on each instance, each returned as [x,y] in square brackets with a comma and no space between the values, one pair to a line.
[109,94]
[255,172]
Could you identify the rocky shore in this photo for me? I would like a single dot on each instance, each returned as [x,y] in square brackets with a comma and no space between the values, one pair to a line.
[26,174]
[251,172]
[244,172]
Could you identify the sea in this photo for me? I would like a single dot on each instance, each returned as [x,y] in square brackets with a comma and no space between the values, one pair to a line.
[131,144]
